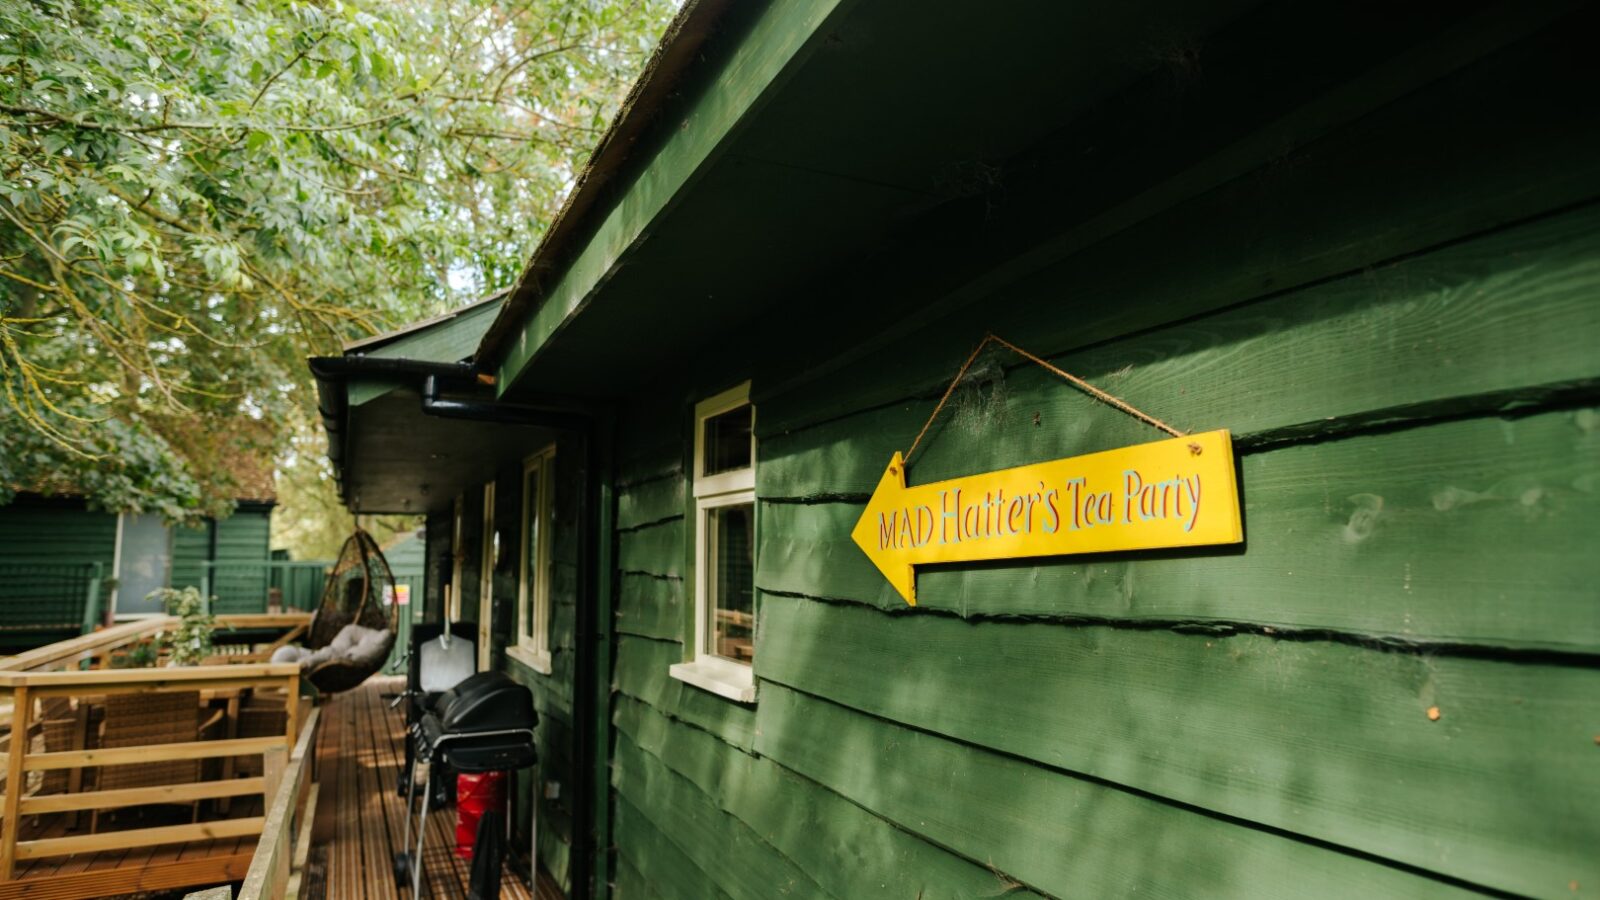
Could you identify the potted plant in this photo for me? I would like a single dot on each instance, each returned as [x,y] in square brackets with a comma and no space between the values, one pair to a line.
[188,644]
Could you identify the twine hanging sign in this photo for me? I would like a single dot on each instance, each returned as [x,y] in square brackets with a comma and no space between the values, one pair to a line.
[1179,492]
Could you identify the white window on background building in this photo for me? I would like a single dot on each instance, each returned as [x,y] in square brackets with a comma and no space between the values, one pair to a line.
[533,580]
[723,642]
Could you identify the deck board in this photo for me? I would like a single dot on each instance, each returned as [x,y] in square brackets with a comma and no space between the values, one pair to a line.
[387,808]
[359,756]
[158,867]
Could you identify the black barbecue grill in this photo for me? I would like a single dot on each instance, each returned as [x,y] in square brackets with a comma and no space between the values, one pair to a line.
[483,724]
[416,699]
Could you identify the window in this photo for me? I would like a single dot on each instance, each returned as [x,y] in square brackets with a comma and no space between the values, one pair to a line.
[533,580]
[486,561]
[723,643]
[458,557]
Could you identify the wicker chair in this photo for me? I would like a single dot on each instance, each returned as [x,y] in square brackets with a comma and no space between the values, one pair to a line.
[262,715]
[138,720]
[359,591]
[58,724]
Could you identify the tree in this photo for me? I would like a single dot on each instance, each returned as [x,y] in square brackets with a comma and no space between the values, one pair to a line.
[311,521]
[196,194]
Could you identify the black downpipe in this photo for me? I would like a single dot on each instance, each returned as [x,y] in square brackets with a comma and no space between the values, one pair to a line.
[583,676]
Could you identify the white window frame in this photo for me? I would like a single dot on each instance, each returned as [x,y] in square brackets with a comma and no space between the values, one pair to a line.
[116,566]
[706,670]
[532,646]
[486,581]
[458,556]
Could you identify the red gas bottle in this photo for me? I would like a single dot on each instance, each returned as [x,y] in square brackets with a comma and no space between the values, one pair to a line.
[476,795]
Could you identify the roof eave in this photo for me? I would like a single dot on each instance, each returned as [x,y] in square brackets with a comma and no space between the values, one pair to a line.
[675,54]
[368,344]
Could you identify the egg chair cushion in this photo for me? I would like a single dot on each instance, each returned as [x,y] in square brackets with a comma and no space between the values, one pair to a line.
[354,645]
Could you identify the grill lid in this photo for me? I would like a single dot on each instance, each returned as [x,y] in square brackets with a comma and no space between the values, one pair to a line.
[487,701]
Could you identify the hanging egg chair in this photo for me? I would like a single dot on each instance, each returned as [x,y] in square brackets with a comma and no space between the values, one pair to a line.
[353,629]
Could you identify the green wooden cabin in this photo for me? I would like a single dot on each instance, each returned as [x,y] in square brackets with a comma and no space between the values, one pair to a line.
[65,565]
[1364,238]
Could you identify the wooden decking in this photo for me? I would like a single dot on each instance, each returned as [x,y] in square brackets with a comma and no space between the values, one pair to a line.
[361,819]
[121,870]
[358,825]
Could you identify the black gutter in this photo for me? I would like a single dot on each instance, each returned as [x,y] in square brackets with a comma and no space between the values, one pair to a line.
[487,410]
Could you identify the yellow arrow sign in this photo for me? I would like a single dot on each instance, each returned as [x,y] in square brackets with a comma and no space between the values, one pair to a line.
[1174,493]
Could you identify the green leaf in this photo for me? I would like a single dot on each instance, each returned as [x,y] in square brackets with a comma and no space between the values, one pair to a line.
[355,218]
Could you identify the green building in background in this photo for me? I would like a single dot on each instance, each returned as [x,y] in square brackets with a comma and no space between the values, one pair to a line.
[1361,238]
[66,566]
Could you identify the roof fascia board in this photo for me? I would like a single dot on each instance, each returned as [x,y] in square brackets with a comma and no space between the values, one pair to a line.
[425,340]
[776,46]
[449,341]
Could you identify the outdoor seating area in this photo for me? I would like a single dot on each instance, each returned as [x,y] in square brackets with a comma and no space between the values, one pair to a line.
[165,778]
[120,778]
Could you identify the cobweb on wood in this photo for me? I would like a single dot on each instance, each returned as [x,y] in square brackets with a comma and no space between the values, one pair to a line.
[978,403]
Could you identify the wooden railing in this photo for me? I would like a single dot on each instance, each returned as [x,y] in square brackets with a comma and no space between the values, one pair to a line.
[280,858]
[290,627]
[29,681]
[281,852]
[98,647]
[93,647]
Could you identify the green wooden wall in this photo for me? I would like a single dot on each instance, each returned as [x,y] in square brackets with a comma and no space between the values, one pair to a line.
[191,546]
[243,541]
[242,538]
[56,532]
[46,545]
[46,548]
[1397,320]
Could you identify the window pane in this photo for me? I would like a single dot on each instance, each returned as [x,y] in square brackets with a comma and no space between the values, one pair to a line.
[731,578]
[530,548]
[727,441]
